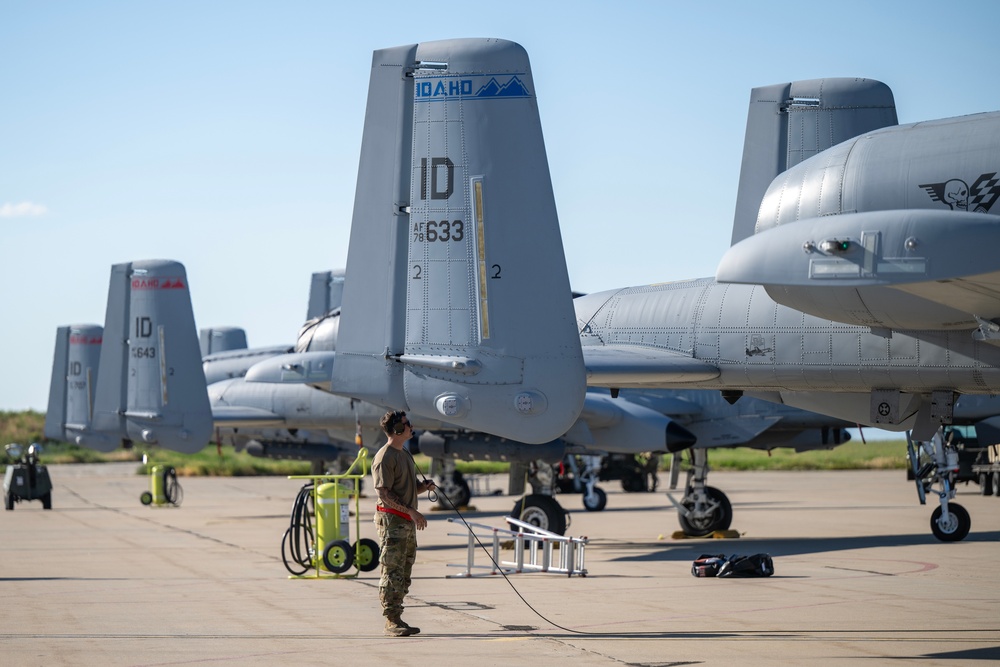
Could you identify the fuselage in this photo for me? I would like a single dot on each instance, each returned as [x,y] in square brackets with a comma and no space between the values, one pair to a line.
[758,344]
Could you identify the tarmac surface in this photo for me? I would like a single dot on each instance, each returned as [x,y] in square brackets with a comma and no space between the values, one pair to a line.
[859,579]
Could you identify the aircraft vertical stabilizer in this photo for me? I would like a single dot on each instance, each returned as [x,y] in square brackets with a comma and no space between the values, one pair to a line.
[71,390]
[151,386]
[214,340]
[326,292]
[790,122]
[55,415]
[456,261]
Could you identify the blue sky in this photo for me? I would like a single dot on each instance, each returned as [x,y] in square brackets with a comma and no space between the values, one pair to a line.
[226,135]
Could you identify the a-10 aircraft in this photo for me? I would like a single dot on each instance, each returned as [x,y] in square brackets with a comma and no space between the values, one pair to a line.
[861,281]
[153,363]
[851,296]
[605,426]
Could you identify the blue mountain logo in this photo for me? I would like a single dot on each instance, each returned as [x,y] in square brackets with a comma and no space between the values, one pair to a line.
[513,88]
[449,88]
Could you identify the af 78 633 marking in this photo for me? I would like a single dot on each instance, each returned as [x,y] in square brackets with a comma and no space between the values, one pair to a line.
[434,230]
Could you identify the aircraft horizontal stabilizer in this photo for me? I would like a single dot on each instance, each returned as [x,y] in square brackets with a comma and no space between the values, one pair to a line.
[312,368]
[638,366]
[731,431]
[456,261]
[234,416]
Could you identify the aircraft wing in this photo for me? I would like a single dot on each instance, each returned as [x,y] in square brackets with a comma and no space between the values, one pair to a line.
[234,416]
[635,366]
[730,432]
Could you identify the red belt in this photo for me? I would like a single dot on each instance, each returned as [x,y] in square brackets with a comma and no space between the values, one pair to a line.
[389,510]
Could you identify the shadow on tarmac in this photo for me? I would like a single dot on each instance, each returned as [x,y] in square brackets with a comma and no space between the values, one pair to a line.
[690,549]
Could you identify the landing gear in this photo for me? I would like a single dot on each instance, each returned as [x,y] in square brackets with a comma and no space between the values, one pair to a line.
[540,508]
[986,483]
[935,463]
[951,528]
[704,509]
[542,512]
[582,475]
[451,484]
[595,499]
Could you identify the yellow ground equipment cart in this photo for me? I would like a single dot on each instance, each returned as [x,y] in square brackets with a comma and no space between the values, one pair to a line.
[319,536]
[164,489]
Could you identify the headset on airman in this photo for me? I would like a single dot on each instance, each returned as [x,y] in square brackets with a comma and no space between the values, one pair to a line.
[394,422]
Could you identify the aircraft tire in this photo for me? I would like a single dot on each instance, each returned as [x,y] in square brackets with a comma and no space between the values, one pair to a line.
[461,494]
[597,502]
[957,528]
[720,519]
[541,511]
[634,484]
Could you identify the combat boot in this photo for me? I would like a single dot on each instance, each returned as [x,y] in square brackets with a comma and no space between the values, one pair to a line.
[402,623]
[394,627]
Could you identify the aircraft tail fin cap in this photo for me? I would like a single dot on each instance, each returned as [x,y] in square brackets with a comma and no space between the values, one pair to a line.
[455,248]
[151,386]
[790,122]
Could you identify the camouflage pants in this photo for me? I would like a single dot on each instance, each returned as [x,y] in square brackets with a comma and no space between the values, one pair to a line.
[398,550]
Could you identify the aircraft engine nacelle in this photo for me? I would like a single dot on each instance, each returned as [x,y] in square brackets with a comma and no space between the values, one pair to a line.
[942,165]
[319,334]
[482,447]
[892,229]
[619,426]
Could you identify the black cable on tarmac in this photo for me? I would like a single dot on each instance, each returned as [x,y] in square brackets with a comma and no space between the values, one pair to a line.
[433,497]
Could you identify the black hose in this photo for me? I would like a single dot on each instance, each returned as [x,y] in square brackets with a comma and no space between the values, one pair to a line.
[433,497]
[172,491]
[297,544]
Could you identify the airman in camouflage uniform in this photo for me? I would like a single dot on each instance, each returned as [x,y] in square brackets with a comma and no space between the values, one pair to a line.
[394,474]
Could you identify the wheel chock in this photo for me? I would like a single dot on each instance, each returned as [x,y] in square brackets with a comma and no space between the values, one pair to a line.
[460,508]
[717,535]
